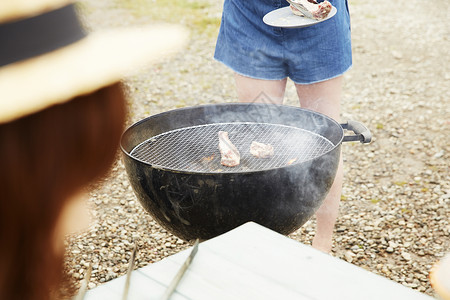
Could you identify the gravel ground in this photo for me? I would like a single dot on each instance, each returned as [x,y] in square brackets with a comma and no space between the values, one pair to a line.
[394,216]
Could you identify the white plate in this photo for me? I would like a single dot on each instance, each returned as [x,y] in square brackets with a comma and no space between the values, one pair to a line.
[284,17]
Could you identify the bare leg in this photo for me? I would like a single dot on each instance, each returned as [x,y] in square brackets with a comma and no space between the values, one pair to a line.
[324,97]
[257,90]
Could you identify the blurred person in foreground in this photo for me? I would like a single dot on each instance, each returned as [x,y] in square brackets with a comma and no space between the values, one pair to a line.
[62,111]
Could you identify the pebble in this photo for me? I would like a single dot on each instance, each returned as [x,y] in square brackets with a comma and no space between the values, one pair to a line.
[406,255]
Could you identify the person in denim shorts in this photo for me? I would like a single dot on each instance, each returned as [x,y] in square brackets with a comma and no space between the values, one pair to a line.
[314,58]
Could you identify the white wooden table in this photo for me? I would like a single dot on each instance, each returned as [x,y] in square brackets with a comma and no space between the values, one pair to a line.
[253,262]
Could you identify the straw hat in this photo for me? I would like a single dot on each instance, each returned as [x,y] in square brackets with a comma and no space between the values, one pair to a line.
[46,58]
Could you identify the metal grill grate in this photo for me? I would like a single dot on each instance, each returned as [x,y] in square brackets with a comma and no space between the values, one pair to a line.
[195,149]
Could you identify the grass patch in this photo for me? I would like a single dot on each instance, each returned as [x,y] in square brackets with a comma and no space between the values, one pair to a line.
[191,14]
[406,211]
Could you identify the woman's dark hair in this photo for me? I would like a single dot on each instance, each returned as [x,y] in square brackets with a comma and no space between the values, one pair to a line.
[45,158]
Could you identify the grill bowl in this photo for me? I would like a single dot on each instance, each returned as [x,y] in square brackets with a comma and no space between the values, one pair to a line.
[201,203]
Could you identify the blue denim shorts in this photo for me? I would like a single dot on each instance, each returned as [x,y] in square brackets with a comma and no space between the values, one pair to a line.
[306,55]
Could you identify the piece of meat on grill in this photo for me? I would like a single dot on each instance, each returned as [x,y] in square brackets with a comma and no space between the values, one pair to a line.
[229,152]
[261,150]
[319,11]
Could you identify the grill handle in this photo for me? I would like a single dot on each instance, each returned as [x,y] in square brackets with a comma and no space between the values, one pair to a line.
[362,133]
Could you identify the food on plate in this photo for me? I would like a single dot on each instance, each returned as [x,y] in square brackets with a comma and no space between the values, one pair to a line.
[261,150]
[230,156]
[319,11]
